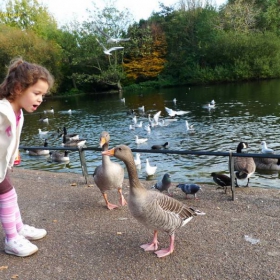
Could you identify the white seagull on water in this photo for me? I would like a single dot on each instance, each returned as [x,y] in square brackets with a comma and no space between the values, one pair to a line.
[265,149]
[173,113]
[140,140]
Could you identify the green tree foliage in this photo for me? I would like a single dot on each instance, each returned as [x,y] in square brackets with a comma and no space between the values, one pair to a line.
[16,42]
[188,43]
[99,69]
[29,15]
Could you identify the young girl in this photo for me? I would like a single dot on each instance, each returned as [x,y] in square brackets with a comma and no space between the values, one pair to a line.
[24,87]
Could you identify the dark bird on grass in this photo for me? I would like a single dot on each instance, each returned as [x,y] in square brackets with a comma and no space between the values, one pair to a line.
[222,180]
[164,184]
[189,189]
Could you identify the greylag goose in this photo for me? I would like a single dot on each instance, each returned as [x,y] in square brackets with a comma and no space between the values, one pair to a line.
[244,167]
[189,189]
[153,209]
[222,180]
[164,184]
[109,175]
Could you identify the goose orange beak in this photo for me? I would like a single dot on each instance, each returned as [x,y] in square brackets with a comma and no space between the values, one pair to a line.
[110,152]
[102,141]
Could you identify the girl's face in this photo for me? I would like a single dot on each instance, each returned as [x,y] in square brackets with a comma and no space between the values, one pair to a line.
[30,98]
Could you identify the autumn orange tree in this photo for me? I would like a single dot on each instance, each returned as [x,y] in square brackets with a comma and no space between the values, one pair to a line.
[145,56]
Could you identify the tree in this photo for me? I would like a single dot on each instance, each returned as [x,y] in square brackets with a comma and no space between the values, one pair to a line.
[29,15]
[105,70]
[16,42]
[145,58]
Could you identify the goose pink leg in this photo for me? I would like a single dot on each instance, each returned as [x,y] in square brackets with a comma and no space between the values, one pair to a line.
[167,251]
[151,246]
[110,206]
[122,200]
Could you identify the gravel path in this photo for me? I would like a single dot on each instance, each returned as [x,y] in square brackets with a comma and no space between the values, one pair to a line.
[235,239]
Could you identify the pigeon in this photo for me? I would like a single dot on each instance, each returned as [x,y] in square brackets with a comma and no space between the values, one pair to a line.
[189,189]
[164,184]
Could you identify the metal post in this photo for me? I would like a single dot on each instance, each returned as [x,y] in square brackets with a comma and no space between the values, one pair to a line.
[232,175]
[83,164]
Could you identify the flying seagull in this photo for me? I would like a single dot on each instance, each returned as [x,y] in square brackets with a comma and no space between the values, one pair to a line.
[112,40]
[108,51]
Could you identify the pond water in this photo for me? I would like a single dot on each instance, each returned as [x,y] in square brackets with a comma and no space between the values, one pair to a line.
[243,112]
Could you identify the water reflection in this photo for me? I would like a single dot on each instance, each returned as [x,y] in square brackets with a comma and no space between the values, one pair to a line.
[247,112]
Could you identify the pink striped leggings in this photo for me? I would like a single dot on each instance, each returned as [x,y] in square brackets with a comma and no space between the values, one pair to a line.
[9,214]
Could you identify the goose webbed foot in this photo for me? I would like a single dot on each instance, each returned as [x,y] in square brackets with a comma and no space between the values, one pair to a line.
[151,246]
[166,251]
[109,205]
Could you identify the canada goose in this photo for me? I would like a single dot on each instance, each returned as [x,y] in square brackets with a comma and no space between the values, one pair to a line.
[244,167]
[158,147]
[150,170]
[49,111]
[272,164]
[72,136]
[153,209]
[60,157]
[189,189]
[39,152]
[73,143]
[164,184]
[222,180]
[43,119]
[109,175]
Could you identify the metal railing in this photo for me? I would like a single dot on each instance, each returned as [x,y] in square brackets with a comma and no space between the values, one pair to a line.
[229,154]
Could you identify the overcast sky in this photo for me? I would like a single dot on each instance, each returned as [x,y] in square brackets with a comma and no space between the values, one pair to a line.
[66,10]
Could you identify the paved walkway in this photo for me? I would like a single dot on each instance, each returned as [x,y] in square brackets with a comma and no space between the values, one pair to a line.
[87,241]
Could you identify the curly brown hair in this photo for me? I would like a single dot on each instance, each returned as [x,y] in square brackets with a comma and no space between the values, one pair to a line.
[22,74]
